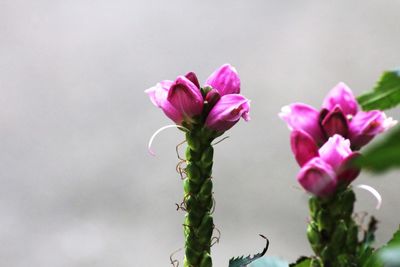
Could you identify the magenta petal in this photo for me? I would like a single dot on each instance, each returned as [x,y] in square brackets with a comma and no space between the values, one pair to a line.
[191,76]
[347,171]
[365,125]
[158,96]
[341,95]
[303,146]
[227,112]
[159,92]
[302,117]
[212,98]
[317,177]
[335,122]
[335,150]
[225,80]
[185,97]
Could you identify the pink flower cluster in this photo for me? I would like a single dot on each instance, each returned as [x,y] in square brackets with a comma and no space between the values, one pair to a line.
[220,106]
[322,141]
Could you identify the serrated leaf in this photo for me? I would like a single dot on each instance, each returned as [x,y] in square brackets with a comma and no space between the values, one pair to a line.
[243,261]
[386,93]
[384,154]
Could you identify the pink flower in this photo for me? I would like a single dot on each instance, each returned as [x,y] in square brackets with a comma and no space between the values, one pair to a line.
[218,107]
[180,100]
[324,169]
[225,79]
[158,96]
[227,112]
[318,178]
[339,115]
[185,97]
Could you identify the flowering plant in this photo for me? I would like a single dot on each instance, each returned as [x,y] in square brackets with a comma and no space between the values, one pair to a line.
[203,113]
[325,144]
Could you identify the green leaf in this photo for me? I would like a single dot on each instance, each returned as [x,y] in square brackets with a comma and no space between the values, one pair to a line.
[388,255]
[386,93]
[243,261]
[302,262]
[383,155]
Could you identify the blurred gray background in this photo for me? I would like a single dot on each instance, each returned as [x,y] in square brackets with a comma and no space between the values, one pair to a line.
[77,185]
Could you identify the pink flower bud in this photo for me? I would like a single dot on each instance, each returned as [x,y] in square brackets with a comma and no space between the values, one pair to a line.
[158,96]
[227,112]
[303,147]
[191,76]
[347,172]
[317,177]
[341,95]
[304,118]
[225,80]
[185,97]
[335,123]
[212,98]
[335,151]
[364,126]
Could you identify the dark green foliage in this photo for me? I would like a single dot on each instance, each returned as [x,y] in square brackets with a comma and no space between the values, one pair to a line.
[387,256]
[244,261]
[332,232]
[302,262]
[383,155]
[385,95]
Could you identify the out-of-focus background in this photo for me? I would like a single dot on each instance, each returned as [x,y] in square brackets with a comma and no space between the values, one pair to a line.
[77,185]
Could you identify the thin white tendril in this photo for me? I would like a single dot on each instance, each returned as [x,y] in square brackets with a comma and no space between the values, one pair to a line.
[374,192]
[219,141]
[159,131]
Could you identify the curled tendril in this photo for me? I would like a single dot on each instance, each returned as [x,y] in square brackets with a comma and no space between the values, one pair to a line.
[174,262]
[181,170]
[159,131]
[374,192]
[177,150]
[214,204]
[215,239]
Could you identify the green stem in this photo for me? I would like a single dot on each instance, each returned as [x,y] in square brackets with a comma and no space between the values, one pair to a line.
[332,232]
[198,225]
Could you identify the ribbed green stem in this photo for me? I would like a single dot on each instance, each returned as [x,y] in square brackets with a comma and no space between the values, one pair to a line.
[332,231]
[198,225]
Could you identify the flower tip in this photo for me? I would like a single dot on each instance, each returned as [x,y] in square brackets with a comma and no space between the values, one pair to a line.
[389,123]
[246,116]
[285,110]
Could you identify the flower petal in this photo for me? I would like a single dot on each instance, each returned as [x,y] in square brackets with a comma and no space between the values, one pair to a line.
[185,97]
[317,177]
[191,76]
[303,146]
[335,123]
[364,126]
[227,111]
[335,151]
[158,96]
[348,171]
[302,117]
[341,95]
[225,79]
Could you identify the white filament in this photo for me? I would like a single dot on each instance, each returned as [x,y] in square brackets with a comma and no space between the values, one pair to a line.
[159,131]
[374,192]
